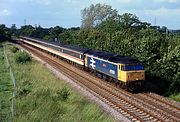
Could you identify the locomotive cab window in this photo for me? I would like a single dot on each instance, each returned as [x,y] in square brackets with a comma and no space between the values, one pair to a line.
[123,68]
[132,67]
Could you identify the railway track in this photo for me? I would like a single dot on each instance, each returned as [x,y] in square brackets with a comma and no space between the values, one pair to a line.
[164,106]
[130,105]
[164,100]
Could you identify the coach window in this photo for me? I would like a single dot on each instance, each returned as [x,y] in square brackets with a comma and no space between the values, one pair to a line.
[77,55]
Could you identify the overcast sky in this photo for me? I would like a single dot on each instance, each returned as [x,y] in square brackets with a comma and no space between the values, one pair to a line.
[66,13]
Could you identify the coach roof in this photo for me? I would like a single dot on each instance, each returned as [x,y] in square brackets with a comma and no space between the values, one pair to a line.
[68,47]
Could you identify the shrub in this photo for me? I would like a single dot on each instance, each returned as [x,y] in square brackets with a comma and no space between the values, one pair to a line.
[22,57]
[14,49]
[24,91]
[2,57]
[1,45]
[63,94]
[25,88]
[43,92]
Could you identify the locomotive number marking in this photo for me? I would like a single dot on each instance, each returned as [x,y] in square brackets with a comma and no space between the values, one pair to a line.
[112,71]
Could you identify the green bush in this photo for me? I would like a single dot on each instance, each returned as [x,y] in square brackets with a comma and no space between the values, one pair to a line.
[25,88]
[22,57]
[1,45]
[63,94]
[14,49]
[2,58]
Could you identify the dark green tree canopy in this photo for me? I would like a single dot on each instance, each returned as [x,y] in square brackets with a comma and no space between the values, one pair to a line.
[5,33]
[128,20]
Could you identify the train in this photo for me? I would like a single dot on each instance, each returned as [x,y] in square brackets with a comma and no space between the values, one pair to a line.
[124,71]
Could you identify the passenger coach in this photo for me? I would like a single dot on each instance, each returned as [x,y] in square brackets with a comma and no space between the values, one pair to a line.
[71,53]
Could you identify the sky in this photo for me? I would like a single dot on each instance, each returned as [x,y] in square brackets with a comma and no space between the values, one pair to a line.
[66,13]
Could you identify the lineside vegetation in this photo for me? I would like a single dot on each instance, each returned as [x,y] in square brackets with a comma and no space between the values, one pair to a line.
[6,88]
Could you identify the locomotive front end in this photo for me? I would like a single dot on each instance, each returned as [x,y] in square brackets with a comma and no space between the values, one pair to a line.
[132,76]
[131,72]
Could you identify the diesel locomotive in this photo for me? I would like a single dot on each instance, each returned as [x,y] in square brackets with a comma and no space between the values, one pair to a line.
[124,71]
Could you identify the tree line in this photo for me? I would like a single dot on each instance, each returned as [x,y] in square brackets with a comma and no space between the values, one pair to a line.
[5,33]
[104,29]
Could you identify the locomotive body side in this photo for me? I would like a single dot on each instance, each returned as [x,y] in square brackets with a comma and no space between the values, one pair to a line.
[122,69]
[102,66]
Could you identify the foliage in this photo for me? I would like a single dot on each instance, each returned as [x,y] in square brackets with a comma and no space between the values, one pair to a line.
[13,30]
[95,14]
[27,30]
[63,94]
[6,89]
[129,20]
[5,33]
[175,97]
[14,49]
[23,57]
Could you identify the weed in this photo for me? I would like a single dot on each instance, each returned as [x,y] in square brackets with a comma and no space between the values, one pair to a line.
[1,45]
[22,57]
[14,49]
[175,96]
[63,94]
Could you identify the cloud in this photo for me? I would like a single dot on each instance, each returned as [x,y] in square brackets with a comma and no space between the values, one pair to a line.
[166,1]
[163,12]
[41,2]
[126,1]
[5,12]
[173,1]
[161,16]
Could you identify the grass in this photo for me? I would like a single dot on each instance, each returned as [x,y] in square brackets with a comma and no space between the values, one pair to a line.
[41,96]
[6,88]
[175,97]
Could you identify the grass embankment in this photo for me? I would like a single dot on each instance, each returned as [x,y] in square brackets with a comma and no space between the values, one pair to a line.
[41,96]
[175,97]
[6,88]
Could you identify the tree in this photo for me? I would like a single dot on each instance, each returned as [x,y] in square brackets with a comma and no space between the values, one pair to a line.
[54,32]
[27,30]
[13,30]
[4,33]
[128,20]
[95,14]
